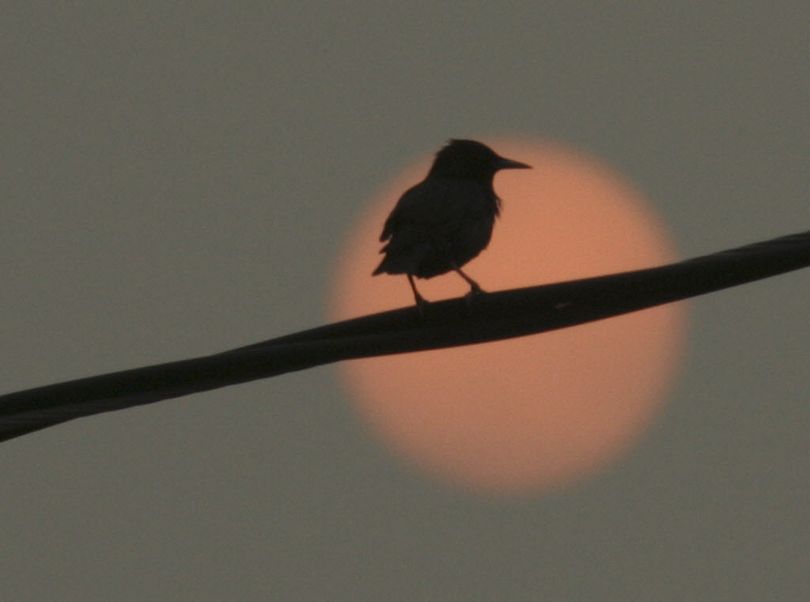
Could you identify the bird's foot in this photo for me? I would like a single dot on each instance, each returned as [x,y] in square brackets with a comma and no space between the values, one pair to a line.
[469,299]
[421,305]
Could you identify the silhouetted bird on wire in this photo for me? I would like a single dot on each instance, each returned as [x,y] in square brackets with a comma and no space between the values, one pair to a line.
[446,220]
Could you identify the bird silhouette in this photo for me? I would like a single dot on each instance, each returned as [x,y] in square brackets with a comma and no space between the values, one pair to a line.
[446,220]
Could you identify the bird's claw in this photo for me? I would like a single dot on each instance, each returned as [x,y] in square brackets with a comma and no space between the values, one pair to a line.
[469,299]
[421,304]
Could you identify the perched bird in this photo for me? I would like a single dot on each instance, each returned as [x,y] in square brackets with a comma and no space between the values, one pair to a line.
[446,220]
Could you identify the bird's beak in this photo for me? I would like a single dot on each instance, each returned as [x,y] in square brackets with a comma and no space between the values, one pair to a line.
[510,164]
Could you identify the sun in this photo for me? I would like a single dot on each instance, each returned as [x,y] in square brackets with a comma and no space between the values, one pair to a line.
[536,413]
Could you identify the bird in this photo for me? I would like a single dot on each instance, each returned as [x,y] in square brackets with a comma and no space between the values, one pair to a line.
[445,220]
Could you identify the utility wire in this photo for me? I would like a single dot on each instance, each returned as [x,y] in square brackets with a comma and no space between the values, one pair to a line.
[455,322]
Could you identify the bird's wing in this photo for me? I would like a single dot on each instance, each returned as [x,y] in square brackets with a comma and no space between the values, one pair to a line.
[432,205]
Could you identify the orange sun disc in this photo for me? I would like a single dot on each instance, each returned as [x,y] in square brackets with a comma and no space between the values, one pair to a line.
[538,412]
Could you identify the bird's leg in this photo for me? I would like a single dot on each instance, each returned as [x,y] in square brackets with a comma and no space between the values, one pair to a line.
[475,289]
[420,300]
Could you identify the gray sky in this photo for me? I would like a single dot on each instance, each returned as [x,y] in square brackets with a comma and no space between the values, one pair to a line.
[176,181]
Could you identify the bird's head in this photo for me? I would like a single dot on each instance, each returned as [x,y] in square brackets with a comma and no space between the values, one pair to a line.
[470,160]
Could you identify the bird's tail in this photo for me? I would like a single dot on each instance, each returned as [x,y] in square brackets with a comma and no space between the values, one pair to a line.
[385,264]
[380,269]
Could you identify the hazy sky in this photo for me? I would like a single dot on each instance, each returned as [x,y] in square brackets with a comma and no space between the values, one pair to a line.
[176,181]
